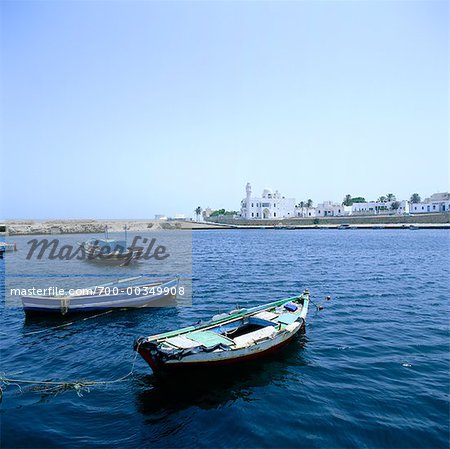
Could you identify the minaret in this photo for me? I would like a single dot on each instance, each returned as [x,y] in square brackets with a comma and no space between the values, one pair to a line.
[248,189]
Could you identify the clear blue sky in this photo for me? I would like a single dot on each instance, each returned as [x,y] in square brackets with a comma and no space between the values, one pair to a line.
[124,110]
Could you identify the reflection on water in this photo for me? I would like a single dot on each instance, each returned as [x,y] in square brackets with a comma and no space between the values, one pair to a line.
[216,387]
[373,352]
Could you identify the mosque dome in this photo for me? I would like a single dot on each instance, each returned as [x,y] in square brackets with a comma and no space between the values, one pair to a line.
[267,192]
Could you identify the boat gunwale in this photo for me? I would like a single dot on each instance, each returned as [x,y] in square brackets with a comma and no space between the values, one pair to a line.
[230,319]
[158,366]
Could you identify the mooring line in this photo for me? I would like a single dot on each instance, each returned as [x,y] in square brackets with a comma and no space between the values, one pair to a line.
[54,386]
[66,324]
[51,386]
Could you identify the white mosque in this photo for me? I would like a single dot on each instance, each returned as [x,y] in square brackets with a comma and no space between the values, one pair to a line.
[269,205]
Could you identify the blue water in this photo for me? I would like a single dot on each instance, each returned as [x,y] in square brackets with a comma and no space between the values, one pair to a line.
[371,371]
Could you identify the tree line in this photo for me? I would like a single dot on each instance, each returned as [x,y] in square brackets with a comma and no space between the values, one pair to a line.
[215,213]
[348,201]
[388,198]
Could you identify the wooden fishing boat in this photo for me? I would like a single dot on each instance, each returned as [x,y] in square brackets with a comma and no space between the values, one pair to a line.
[7,247]
[238,336]
[110,251]
[125,293]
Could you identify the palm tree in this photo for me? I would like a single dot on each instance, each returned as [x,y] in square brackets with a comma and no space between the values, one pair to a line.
[309,203]
[347,200]
[390,197]
[302,205]
[382,199]
[415,198]
[198,211]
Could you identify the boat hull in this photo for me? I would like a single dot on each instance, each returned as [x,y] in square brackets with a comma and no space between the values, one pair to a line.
[112,255]
[97,303]
[210,360]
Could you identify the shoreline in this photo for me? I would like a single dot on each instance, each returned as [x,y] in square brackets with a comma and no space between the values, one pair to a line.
[58,227]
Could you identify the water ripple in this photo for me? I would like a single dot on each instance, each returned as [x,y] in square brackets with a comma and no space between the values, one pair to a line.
[371,371]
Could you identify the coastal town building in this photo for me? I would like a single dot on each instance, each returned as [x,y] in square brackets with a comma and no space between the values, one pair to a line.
[268,205]
[272,205]
[433,206]
[404,207]
[207,212]
[370,208]
[330,209]
[178,217]
[380,207]
[305,212]
[438,202]
[436,197]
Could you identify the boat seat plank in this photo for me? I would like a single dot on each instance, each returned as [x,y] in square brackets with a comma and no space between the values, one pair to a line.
[246,340]
[180,341]
[209,339]
[264,315]
[287,318]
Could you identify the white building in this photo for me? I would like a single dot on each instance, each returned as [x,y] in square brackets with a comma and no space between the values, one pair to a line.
[404,208]
[371,207]
[428,208]
[207,212]
[441,196]
[330,209]
[438,202]
[305,212]
[268,205]
[379,208]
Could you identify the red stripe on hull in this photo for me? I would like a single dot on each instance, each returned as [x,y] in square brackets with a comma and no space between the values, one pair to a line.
[157,366]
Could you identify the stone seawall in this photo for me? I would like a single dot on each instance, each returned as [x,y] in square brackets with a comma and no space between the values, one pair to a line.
[96,226]
[437,218]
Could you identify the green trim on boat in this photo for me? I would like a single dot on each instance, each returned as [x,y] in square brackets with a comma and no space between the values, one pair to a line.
[241,314]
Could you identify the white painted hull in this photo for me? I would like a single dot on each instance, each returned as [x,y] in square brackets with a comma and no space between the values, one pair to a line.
[237,354]
[92,303]
[245,335]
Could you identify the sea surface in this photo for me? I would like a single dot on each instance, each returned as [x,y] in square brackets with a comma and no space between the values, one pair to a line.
[371,371]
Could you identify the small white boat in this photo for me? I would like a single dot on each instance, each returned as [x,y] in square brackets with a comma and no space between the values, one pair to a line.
[230,338]
[124,293]
[7,247]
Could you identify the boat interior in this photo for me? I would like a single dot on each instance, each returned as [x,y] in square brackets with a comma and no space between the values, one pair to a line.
[239,333]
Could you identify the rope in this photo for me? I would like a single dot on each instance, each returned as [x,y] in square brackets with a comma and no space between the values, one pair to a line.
[318,307]
[55,387]
[66,324]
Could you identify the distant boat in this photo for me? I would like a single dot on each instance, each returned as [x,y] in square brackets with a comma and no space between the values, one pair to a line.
[7,247]
[238,336]
[413,227]
[110,250]
[344,226]
[124,293]
[281,226]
